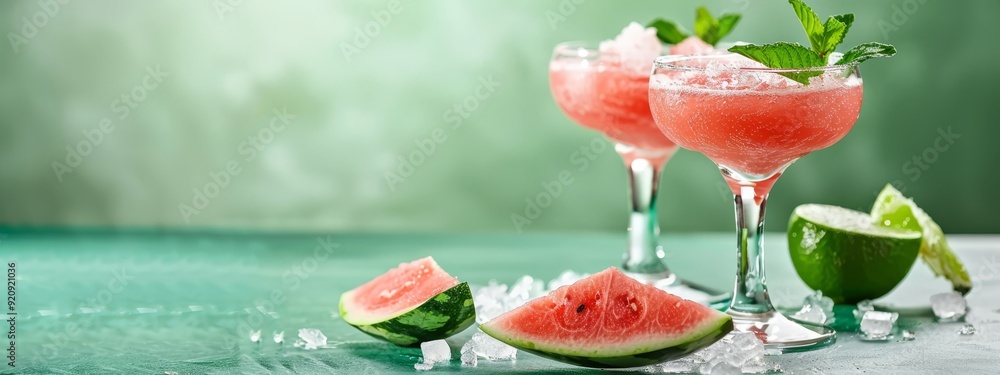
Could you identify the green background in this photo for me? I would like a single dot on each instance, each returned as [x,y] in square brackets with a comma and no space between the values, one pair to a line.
[355,114]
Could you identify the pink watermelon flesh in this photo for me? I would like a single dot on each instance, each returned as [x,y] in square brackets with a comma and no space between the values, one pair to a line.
[397,291]
[606,315]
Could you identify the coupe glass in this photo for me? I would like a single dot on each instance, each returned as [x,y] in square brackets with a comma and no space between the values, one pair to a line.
[753,123]
[608,93]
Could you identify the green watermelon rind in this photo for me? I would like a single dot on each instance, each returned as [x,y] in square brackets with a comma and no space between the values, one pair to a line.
[441,316]
[676,347]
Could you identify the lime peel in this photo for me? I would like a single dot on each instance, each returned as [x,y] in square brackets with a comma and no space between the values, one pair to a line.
[892,209]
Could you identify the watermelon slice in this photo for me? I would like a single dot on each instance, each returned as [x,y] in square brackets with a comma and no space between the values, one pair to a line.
[410,304]
[610,320]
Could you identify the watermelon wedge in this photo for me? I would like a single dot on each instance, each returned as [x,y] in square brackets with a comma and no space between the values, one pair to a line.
[410,304]
[610,320]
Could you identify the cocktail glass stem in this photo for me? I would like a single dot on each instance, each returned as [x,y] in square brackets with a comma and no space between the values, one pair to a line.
[750,305]
[750,292]
[643,259]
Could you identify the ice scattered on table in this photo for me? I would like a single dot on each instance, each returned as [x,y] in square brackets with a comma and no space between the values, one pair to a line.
[816,309]
[863,307]
[490,301]
[421,366]
[723,368]
[967,330]
[949,306]
[435,351]
[469,358]
[877,325]
[738,352]
[490,348]
[311,338]
[525,289]
[279,337]
[255,336]
[909,335]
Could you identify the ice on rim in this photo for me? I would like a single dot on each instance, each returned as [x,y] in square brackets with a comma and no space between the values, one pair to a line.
[636,47]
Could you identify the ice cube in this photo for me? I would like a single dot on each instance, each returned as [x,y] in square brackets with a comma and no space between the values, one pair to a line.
[312,338]
[863,307]
[492,349]
[816,309]
[715,352]
[435,351]
[469,358]
[744,347]
[255,336]
[909,335]
[422,366]
[877,325]
[948,306]
[279,337]
[967,330]
[566,278]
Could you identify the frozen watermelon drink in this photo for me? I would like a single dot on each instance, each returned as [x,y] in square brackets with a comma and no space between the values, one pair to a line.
[753,123]
[605,87]
[754,113]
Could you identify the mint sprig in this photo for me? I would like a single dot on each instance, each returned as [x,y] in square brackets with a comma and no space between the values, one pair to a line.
[824,37]
[706,27]
[784,55]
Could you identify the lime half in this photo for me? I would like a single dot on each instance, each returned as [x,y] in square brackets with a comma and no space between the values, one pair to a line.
[892,209]
[848,256]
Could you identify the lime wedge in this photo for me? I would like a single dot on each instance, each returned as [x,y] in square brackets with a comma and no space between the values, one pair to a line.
[892,209]
[848,256]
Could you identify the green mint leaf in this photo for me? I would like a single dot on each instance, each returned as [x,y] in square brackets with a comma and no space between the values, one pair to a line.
[811,24]
[726,24]
[847,20]
[866,51]
[668,32]
[833,33]
[783,55]
[706,27]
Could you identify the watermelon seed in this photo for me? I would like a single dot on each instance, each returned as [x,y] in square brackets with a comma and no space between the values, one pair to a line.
[580,309]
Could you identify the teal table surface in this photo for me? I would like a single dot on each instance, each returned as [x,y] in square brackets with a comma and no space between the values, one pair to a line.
[161,302]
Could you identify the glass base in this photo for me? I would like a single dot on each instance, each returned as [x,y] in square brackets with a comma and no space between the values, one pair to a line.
[779,332]
[669,282]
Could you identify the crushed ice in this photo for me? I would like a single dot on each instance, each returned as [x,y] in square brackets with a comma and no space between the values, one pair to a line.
[311,338]
[490,348]
[737,353]
[636,47]
[967,330]
[255,336]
